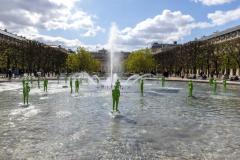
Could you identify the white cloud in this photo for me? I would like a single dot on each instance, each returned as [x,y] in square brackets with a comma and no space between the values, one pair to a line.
[166,28]
[33,34]
[223,17]
[213,2]
[47,14]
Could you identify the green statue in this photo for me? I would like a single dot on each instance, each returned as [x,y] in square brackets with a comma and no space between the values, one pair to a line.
[31,79]
[211,81]
[225,84]
[76,85]
[27,79]
[115,97]
[163,81]
[190,88]
[71,84]
[142,86]
[38,81]
[45,84]
[214,86]
[118,84]
[26,90]
[23,84]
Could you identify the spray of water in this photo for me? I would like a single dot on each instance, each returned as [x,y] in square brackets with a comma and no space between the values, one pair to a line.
[113,49]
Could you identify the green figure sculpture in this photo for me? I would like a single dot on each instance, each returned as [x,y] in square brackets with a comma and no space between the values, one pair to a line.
[115,97]
[163,81]
[211,81]
[142,86]
[38,81]
[26,90]
[76,86]
[71,85]
[118,84]
[31,79]
[45,85]
[23,84]
[214,86]
[190,88]
[225,84]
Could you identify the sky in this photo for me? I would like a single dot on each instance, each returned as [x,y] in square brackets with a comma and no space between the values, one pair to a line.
[123,24]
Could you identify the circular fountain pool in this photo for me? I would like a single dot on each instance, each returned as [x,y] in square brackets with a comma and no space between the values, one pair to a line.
[163,124]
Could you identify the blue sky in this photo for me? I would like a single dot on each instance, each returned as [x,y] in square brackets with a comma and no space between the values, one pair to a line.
[138,23]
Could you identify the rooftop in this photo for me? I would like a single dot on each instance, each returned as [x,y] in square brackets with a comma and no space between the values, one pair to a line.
[5,32]
[236,28]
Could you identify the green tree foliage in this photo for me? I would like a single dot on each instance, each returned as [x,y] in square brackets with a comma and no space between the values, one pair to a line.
[140,61]
[206,56]
[82,60]
[30,56]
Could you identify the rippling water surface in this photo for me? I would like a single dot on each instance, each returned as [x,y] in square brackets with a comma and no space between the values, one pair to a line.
[163,124]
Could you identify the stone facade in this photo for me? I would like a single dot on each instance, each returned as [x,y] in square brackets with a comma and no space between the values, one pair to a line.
[104,57]
[228,34]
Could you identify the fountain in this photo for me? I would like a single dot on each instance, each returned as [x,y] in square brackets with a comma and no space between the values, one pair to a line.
[112,45]
[85,76]
[141,77]
[132,77]
[97,78]
[160,125]
[71,121]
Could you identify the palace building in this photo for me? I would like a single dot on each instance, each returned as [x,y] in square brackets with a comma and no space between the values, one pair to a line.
[228,34]
[103,56]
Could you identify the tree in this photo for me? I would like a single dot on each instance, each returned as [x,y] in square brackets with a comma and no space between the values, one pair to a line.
[140,61]
[82,60]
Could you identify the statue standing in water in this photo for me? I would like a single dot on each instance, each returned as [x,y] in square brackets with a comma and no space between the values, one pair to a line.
[211,81]
[225,84]
[45,84]
[26,90]
[76,85]
[142,86]
[163,81]
[190,88]
[115,97]
[31,79]
[71,84]
[118,84]
[214,86]
[38,81]
[23,85]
